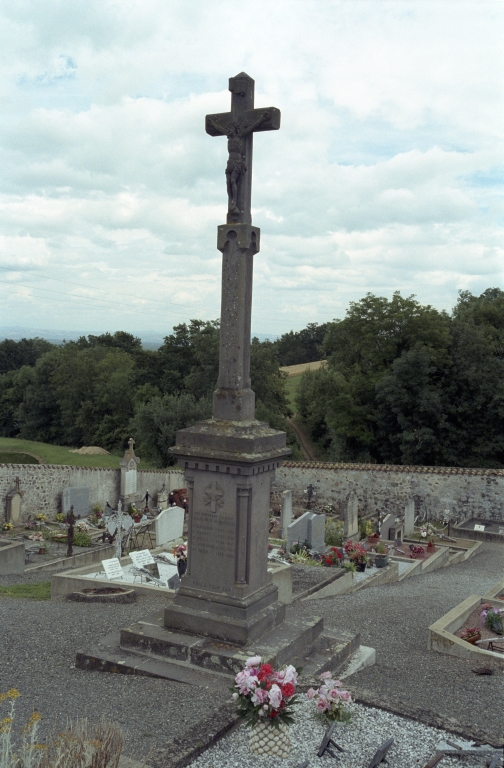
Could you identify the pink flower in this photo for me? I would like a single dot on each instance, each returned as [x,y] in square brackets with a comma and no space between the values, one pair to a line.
[333,694]
[345,695]
[275,696]
[259,696]
[290,675]
[325,675]
[254,661]
[321,705]
[310,693]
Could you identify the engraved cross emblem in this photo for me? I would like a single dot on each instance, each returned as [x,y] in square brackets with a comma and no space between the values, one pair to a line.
[239,125]
[214,496]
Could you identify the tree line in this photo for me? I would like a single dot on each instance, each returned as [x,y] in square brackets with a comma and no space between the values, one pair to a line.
[408,384]
[100,389]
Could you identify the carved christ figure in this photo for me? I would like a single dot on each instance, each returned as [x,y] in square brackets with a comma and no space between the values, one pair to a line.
[236,167]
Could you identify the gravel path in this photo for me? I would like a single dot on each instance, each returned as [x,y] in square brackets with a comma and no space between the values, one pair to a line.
[414,743]
[394,620]
[40,639]
[39,642]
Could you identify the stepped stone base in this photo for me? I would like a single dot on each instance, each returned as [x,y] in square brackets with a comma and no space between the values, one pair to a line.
[148,648]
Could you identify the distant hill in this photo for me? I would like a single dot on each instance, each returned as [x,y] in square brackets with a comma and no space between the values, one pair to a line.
[150,339]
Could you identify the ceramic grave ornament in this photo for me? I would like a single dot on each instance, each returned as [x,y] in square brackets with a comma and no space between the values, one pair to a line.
[118,522]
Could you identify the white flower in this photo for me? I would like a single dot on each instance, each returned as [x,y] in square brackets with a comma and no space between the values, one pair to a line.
[254,661]
[290,675]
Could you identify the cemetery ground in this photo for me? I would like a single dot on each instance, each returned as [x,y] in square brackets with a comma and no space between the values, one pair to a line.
[40,640]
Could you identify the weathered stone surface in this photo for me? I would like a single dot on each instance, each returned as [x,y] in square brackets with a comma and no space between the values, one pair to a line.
[169,525]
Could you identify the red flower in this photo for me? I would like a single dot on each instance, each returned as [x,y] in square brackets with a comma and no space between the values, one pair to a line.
[267,669]
[288,690]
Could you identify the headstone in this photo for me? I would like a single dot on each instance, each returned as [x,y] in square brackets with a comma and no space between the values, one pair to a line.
[112,568]
[78,498]
[285,514]
[316,532]
[14,499]
[387,523]
[141,558]
[479,527]
[297,531]
[128,464]
[162,498]
[351,527]
[169,525]
[174,581]
[409,517]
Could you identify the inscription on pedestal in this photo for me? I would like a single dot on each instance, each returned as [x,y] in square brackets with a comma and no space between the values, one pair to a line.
[212,550]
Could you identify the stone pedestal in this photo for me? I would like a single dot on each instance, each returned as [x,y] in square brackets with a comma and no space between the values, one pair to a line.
[227,592]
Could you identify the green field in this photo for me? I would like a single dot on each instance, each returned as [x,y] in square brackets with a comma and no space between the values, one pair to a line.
[291,387]
[58,454]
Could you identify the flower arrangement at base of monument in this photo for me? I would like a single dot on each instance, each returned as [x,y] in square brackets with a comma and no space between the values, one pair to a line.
[331,701]
[265,698]
[180,552]
[493,619]
[471,635]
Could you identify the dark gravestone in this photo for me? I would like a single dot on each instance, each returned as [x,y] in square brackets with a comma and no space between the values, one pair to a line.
[78,498]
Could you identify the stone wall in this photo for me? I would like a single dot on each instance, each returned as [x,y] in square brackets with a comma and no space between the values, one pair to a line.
[383,488]
[43,485]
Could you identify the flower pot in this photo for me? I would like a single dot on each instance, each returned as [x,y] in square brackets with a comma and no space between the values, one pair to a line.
[381,561]
[373,540]
[41,550]
[264,739]
[361,567]
[473,639]
[181,567]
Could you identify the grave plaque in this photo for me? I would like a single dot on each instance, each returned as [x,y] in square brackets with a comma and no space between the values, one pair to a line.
[169,525]
[78,498]
[229,460]
[141,558]
[478,527]
[14,500]
[112,569]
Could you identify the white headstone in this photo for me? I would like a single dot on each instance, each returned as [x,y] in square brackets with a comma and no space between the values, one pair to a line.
[141,558]
[285,514]
[409,517]
[169,525]
[112,568]
[387,524]
[351,527]
[297,531]
[316,532]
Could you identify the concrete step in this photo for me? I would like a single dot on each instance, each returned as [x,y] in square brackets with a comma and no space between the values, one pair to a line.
[148,648]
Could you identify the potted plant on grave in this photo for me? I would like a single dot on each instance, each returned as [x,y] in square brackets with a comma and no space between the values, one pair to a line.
[373,539]
[381,557]
[431,546]
[356,554]
[471,635]
[180,552]
[265,698]
[493,621]
[330,700]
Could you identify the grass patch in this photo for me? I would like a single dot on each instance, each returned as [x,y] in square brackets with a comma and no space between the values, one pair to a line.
[41,590]
[60,454]
[13,457]
[291,387]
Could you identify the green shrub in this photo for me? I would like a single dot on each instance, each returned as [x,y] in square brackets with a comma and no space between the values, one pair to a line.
[334,533]
[82,539]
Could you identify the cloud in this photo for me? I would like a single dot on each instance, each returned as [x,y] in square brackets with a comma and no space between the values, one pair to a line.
[385,175]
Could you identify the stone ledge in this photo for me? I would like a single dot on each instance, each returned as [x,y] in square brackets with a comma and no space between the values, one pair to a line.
[394,468]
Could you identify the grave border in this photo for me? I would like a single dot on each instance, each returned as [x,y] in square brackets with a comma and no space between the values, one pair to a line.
[441,635]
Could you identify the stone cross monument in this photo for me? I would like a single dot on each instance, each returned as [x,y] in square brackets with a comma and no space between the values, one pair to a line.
[229,460]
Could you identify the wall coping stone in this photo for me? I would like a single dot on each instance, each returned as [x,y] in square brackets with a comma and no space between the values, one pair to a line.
[393,468]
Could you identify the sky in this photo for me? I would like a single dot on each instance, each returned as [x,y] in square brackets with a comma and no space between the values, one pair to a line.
[386,174]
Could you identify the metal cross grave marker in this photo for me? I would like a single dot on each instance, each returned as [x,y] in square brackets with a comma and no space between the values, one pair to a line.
[117,523]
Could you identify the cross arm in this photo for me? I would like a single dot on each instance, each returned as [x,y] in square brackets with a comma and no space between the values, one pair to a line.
[267,119]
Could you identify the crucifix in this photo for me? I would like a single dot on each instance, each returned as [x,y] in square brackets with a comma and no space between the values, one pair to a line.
[238,241]
[117,523]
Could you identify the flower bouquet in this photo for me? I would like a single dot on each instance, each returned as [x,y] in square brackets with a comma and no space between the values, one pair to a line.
[41,517]
[330,700]
[7,526]
[356,553]
[180,552]
[333,557]
[265,698]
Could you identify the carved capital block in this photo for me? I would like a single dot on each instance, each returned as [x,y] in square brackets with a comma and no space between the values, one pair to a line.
[246,236]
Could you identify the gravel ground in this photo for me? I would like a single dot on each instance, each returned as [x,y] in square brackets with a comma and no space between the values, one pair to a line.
[39,642]
[306,576]
[414,743]
[40,639]
[394,619]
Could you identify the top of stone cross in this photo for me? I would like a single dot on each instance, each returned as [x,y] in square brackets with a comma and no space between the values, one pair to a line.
[239,125]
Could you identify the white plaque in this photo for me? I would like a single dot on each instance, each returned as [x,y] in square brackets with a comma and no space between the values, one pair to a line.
[113,568]
[141,558]
[130,482]
[479,527]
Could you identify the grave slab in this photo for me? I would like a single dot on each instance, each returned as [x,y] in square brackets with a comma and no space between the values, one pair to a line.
[169,525]
[78,498]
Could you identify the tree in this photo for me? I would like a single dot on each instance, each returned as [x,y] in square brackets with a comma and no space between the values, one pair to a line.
[15,354]
[303,346]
